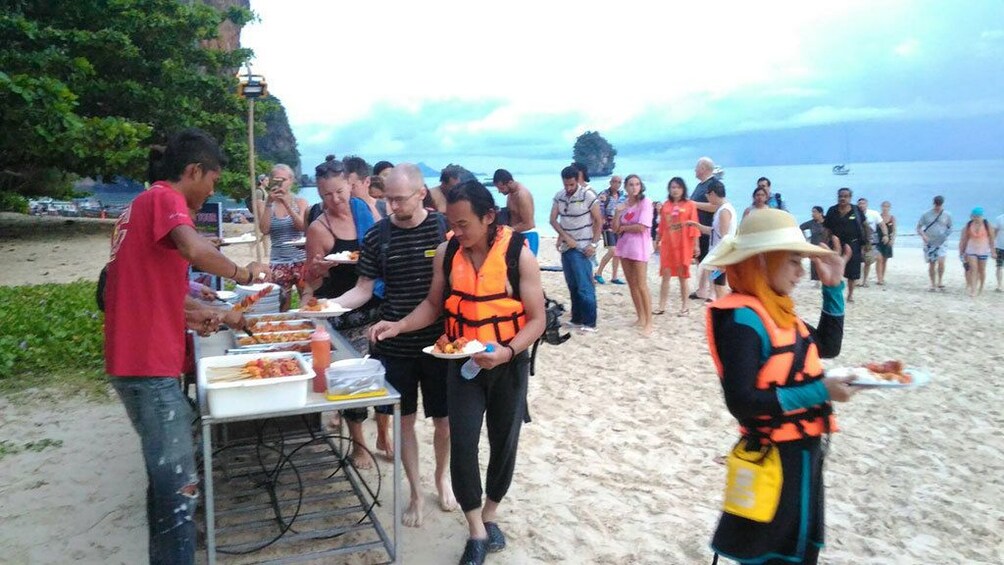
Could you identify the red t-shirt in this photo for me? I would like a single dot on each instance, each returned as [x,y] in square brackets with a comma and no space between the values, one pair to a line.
[145,292]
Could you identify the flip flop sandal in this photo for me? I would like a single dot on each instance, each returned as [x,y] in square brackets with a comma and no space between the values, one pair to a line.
[661,312]
[496,539]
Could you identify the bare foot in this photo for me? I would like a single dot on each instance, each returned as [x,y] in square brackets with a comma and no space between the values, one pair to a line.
[361,458]
[413,514]
[386,446]
[647,331]
[447,503]
[335,421]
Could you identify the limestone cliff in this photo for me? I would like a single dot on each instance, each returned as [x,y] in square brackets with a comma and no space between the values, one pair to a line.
[277,144]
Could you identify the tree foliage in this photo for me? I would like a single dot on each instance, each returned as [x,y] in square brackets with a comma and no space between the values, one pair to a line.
[595,152]
[87,86]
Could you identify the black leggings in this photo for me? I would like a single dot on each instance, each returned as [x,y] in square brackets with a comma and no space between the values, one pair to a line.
[497,396]
[811,558]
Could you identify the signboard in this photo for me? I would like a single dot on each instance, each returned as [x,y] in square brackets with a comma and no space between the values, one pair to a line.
[209,223]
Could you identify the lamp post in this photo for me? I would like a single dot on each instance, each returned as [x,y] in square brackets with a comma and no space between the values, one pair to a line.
[252,87]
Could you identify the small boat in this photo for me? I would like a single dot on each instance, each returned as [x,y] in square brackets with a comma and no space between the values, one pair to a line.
[840,170]
[718,173]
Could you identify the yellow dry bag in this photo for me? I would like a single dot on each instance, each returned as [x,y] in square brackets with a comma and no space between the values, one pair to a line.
[753,480]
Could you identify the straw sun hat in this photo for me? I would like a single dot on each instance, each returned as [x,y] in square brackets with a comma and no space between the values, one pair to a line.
[761,232]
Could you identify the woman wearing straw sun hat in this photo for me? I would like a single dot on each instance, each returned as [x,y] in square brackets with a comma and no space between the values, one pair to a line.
[768,361]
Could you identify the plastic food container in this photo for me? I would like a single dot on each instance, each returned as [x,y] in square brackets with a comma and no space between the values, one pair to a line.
[353,376]
[254,396]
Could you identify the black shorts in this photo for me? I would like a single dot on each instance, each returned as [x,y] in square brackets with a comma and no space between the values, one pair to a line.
[407,374]
[1000,257]
[609,239]
[704,242]
[853,269]
[884,249]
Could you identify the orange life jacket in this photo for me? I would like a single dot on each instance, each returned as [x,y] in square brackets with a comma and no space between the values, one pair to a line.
[478,305]
[793,361]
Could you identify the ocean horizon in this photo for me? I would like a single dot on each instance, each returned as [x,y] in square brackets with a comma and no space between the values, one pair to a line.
[909,186]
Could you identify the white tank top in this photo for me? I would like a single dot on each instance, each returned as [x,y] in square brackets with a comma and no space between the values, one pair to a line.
[716,232]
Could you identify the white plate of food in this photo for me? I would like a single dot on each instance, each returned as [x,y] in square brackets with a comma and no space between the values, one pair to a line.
[460,348]
[297,242]
[343,257]
[321,308]
[889,374]
[245,238]
[226,295]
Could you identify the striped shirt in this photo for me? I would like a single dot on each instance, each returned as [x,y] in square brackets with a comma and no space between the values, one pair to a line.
[282,231]
[575,215]
[408,278]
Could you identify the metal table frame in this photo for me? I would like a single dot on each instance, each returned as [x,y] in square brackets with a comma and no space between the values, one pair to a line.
[316,402]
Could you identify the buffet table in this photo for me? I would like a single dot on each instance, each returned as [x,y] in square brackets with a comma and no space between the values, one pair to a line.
[288,492]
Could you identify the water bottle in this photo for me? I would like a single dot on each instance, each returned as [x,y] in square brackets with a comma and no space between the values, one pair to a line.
[320,349]
[470,369]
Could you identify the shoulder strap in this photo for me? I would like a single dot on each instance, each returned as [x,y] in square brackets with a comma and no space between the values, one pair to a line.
[452,247]
[512,261]
[441,226]
[384,228]
[935,220]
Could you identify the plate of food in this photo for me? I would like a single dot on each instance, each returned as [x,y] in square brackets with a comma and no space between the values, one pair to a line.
[321,308]
[459,348]
[343,257]
[226,295]
[887,374]
[245,238]
[297,242]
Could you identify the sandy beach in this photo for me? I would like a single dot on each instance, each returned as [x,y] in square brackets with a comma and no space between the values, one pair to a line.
[618,464]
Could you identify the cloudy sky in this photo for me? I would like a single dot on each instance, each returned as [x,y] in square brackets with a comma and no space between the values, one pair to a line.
[442,80]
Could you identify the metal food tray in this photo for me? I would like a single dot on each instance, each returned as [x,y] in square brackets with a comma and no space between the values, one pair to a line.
[237,335]
[264,327]
[269,348]
[283,316]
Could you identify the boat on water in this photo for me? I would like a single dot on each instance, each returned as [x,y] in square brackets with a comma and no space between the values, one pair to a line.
[718,173]
[840,170]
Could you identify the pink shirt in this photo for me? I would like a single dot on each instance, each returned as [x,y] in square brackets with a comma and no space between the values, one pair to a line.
[147,283]
[636,246]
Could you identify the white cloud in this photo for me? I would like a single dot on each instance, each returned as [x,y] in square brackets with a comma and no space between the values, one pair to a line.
[332,62]
[908,48]
[407,78]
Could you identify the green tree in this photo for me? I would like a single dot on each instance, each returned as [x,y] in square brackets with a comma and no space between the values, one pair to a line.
[595,152]
[86,86]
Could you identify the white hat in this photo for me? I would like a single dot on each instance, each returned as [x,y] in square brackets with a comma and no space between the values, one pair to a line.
[761,231]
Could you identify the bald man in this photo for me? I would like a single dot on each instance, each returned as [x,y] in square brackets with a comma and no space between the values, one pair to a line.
[404,262]
[704,171]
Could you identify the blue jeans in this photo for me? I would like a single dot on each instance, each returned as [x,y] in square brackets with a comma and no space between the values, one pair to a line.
[579,276]
[162,417]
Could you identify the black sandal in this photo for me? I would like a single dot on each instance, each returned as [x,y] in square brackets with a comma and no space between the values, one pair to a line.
[658,312]
[496,539]
[475,552]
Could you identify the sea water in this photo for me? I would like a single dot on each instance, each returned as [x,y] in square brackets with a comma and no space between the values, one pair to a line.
[909,186]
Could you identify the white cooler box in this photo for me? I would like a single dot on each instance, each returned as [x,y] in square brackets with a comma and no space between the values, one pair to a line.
[254,396]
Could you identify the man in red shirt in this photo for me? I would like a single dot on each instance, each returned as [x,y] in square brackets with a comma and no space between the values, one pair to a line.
[145,318]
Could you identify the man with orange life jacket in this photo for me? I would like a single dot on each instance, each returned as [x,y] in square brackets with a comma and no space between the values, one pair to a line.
[769,364]
[488,282]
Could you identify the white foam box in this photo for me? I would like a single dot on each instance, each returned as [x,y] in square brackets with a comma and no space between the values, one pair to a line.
[254,396]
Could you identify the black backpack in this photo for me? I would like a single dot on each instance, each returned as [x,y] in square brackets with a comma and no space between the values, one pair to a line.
[553,309]
[102,283]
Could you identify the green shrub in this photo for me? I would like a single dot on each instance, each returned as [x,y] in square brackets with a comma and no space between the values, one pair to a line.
[51,334]
[10,202]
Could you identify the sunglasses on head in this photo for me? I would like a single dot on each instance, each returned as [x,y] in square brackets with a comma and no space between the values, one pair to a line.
[329,168]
